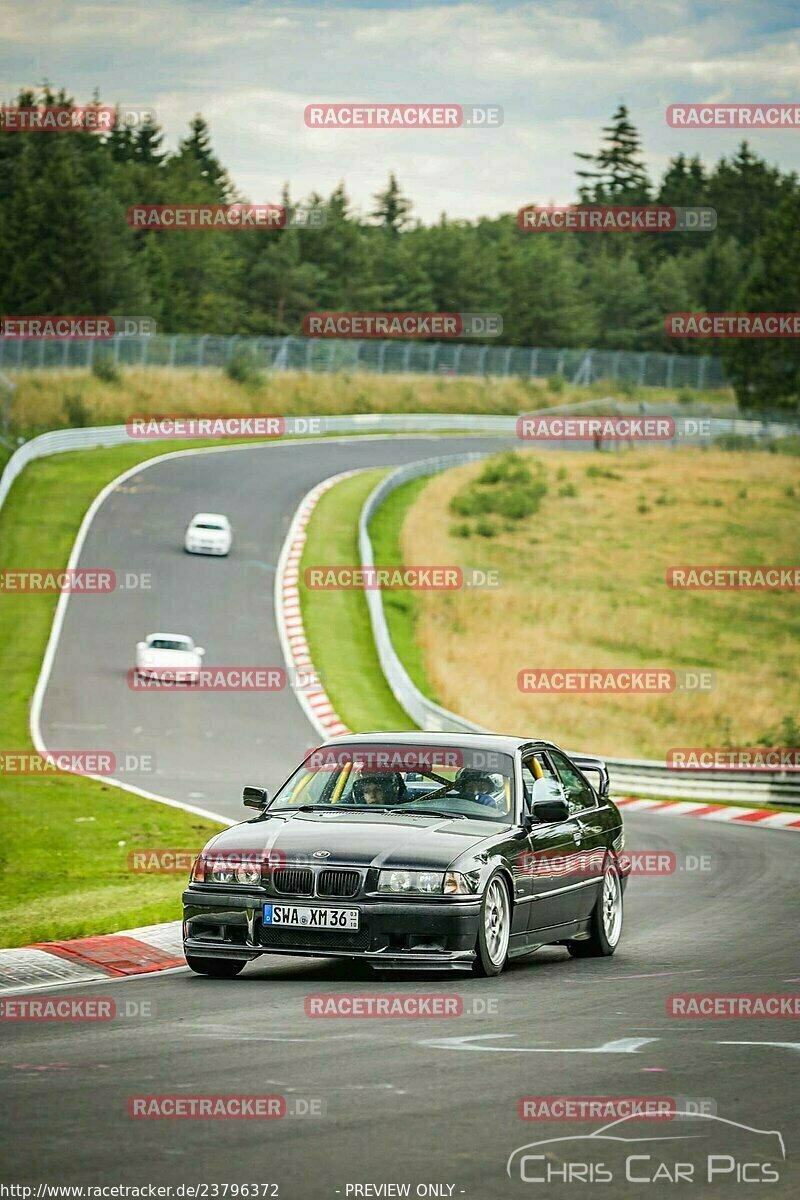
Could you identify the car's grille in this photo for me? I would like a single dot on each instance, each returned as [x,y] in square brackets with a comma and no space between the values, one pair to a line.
[293,881]
[313,939]
[338,883]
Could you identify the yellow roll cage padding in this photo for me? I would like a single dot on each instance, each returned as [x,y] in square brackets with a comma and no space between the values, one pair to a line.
[342,780]
[538,773]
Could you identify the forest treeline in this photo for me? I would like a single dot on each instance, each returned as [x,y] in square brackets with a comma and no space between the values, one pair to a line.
[66,247]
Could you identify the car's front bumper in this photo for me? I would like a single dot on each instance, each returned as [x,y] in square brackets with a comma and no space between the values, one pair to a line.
[392,935]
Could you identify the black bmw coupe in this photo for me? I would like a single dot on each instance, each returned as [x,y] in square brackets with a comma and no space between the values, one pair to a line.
[424,850]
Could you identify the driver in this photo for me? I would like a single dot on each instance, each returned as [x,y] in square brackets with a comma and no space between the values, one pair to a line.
[378,788]
[480,787]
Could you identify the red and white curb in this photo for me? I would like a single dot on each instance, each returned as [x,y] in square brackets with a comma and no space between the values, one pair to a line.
[314,700]
[85,960]
[732,814]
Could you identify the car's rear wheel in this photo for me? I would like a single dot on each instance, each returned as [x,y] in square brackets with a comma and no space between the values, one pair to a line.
[218,968]
[491,947]
[605,926]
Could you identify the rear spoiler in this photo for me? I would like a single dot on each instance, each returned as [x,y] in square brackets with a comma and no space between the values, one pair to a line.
[593,767]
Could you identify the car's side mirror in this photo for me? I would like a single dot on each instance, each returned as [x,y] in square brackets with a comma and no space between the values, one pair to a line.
[255,797]
[141,645]
[199,650]
[547,801]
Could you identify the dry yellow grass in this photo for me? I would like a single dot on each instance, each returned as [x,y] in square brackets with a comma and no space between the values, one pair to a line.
[39,400]
[584,586]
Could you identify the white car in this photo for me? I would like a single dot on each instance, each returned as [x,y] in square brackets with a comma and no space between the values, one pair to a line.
[208,533]
[172,657]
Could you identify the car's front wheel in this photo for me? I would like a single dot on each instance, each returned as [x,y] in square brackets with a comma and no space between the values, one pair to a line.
[491,947]
[218,968]
[605,926]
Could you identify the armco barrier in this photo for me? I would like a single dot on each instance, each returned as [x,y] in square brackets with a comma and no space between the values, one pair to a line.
[627,775]
[61,440]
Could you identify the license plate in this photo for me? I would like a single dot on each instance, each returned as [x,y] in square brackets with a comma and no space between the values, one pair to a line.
[310,918]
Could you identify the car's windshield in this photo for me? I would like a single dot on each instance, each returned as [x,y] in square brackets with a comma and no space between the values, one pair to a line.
[451,780]
[169,644]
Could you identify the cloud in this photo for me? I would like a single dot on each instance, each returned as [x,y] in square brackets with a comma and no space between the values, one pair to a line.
[558,71]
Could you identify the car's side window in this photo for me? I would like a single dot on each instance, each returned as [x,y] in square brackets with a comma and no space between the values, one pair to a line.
[528,780]
[579,795]
[535,766]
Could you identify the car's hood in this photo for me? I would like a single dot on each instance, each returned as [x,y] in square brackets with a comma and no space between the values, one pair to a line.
[368,839]
[166,659]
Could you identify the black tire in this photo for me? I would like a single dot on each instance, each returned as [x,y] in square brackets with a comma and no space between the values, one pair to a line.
[218,968]
[489,961]
[604,935]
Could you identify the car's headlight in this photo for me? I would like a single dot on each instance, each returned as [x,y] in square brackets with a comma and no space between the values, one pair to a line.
[248,874]
[405,882]
[457,884]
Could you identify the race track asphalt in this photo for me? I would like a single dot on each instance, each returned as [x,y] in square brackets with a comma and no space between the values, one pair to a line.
[406,1101]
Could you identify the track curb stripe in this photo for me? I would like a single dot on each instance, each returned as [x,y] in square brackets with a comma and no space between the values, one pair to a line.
[750,817]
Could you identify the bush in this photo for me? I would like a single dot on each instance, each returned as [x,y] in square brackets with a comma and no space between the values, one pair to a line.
[506,486]
[601,473]
[485,529]
[242,367]
[686,396]
[568,490]
[463,530]
[75,410]
[556,383]
[104,368]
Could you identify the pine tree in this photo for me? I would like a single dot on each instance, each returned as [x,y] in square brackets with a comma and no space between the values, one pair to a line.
[393,208]
[619,176]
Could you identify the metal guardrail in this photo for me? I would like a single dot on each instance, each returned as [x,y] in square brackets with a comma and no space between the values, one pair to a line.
[627,775]
[62,440]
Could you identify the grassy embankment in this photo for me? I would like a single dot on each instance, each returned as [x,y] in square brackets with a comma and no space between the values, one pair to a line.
[582,545]
[53,398]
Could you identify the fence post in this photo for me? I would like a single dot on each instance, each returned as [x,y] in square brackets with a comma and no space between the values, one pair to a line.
[670,368]
[701,374]
[534,362]
[201,350]
[642,360]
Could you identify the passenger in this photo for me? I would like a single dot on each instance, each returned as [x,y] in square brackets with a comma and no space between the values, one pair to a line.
[481,787]
[379,789]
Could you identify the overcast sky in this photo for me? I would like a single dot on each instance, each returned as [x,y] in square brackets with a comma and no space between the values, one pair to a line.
[558,68]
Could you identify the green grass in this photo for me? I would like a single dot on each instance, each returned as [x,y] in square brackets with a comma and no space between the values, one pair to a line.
[337,622]
[63,871]
[400,607]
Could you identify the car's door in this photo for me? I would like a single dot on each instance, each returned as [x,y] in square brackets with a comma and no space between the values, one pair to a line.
[551,847]
[591,843]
